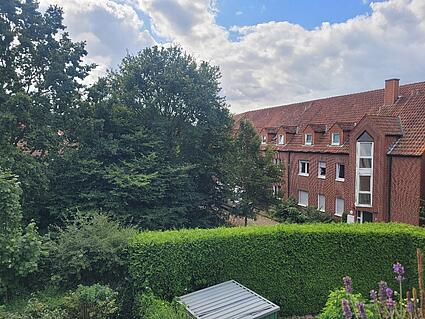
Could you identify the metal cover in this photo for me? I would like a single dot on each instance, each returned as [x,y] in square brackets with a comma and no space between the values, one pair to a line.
[227,300]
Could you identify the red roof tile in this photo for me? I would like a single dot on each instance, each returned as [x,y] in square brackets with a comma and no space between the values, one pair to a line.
[406,118]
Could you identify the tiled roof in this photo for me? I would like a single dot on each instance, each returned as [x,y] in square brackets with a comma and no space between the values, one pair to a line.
[406,117]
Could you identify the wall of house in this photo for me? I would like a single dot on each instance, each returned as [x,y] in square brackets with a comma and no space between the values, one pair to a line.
[315,185]
[406,189]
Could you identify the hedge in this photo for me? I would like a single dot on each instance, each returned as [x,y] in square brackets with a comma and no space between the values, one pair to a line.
[294,266]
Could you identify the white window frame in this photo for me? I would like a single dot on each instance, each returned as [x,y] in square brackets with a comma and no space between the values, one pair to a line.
[322,208]
[332,139]
[263,139]
[300,172]
[281,139]
[360,217]
[336,207]
[299,198]
[364,172]
[305,139]
[337,178]
[320,165]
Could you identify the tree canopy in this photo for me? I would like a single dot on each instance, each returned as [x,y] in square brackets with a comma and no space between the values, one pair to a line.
[152,143]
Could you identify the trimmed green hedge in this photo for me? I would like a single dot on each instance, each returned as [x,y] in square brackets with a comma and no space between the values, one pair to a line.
[295,266]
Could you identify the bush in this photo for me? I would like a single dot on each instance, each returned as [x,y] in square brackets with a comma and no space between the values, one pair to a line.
[288,264]
[20,249]
[333,307]
[89,249]
[289,212]
[92,302]
[86,302]
[152,307]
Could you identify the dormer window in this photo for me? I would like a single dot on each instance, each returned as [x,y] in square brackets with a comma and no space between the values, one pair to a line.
[281,139]
[336,139]
[264,139]
[308,139]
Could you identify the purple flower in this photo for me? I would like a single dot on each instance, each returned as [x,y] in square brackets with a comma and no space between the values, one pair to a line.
[409,305]
[399,271]
[346,309]
[348,284]
[362,311]
[389,292]
[373,295]
[390,304]
[382,291]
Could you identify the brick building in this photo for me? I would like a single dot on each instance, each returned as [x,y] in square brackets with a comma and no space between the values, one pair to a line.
[362,154]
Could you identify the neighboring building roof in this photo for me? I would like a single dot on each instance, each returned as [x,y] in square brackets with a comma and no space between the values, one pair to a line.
[318,128]
[408,110]
[227,300]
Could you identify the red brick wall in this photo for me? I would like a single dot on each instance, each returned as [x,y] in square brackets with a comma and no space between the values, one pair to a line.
[314,185]
[406,189]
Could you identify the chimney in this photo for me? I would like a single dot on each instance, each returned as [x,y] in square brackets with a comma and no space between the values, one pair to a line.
[391,91]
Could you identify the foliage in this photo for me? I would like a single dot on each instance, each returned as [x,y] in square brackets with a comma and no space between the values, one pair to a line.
[151,144]
[289,212]
[87,249]
[41,72]
[151,307]
[252,173]
[20,250]
[288,264]
[92,302]
[333,308]
[86,302]
[383,303]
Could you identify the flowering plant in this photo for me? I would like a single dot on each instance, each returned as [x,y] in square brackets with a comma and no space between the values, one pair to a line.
[384,303]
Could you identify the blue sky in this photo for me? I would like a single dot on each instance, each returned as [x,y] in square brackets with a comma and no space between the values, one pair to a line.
[270,52]
[308,13]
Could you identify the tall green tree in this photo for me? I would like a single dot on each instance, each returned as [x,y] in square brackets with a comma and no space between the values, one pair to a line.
[20,250]
[252,172]
[41,73]
[152,144]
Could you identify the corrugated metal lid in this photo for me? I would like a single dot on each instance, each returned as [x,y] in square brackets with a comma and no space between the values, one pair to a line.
[227,300]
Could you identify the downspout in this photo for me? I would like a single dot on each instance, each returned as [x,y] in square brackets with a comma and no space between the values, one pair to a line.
[288,173]
[390,164]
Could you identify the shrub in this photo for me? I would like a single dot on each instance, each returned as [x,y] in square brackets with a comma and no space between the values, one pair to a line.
[89,249]
[294,266]
[36,309]
[92,302]
[289,212]
[333,308]
[152,307]
[20,250]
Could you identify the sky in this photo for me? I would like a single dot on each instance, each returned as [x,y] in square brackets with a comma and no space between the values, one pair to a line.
[270,52]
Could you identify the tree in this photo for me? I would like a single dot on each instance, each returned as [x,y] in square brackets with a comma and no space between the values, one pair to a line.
[41,74]
[20,250]
[151,144]
[252,173]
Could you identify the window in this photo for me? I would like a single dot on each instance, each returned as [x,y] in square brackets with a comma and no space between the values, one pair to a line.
[303,198]
[336,139]
[364,172]
[340,172]
[276,161]
[322,170]
[263,139]
[321,202]
[281,139]
[364,217]
[308,139]
[339,207]
[304,168]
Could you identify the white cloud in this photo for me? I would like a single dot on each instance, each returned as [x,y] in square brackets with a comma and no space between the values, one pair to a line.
[110,29]
[270,63]
[280,62]
[239,13]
